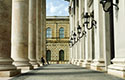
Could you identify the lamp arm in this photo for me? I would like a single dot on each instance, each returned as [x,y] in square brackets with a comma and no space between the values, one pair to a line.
[111,7]
[88,27]
[83,33]
[115,6]
[107,9]
[94,23]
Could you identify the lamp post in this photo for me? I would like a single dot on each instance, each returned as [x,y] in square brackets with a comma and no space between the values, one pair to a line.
[108,4]
[71,41]
[75,37]
[87,18]
[80,32]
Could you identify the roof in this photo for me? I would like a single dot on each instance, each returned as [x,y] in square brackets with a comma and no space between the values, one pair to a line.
[57,17]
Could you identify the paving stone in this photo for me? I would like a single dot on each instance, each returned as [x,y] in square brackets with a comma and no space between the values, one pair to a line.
[64,72]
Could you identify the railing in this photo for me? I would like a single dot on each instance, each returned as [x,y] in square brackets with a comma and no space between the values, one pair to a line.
[57,40]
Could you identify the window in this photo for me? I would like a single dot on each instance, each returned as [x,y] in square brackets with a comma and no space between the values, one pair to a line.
[61,32]
[61,55]
[48,33]
[48,55]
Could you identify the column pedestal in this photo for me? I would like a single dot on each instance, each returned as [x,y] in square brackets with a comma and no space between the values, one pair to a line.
[117,68]
[80,62]
[98,65]
[86,63]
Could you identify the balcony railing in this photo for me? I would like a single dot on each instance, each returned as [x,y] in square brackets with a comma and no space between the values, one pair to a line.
[57,40]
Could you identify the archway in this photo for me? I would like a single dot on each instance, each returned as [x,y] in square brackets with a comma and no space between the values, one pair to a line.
[48,55]
[61,55]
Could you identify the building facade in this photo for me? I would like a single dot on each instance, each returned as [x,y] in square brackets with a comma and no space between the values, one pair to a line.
[97,30]
[57,39]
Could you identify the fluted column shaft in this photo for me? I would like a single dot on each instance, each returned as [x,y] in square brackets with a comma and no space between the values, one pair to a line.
[6,67]
[32,32]
[5,35]
[38,31]
[20,33]
[43,25]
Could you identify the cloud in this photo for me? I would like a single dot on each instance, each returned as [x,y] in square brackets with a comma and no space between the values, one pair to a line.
[52,8]
[57,8]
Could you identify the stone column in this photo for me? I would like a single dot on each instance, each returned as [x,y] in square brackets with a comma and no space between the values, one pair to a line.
[81,43]
[32,33]
[71,29]
[43,25]
[6,67]
[38,31]
[118,66]
[78,51]
[20,34]
[98,62]
[87,60]
[73,55]
[75,30]
[82,55]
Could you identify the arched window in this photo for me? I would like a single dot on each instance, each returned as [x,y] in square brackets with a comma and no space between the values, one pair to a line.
[61,55]
[48,55]
[48,33]
[61,32]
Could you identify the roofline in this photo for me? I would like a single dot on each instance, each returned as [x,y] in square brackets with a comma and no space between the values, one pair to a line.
[57,17]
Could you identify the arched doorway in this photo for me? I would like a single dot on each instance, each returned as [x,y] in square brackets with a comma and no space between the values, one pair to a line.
[61,55]
[48,55]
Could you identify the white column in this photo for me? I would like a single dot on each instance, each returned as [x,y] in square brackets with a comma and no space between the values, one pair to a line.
[75,54]
[6,67]
[81,44]
[87,60]
[98,62]
[75,29]
[43,30]
[38,30]
[32,33]
[20,34]
[118,66]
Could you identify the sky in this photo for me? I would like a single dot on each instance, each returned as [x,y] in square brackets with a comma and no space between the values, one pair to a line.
[57,8]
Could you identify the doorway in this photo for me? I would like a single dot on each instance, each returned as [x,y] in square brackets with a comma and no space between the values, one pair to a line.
[48,55]
[61,55]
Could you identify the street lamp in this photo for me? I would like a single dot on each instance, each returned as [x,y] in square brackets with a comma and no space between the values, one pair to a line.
[71,41]
[108,4]
[79,31]
[75,37]
[87,17]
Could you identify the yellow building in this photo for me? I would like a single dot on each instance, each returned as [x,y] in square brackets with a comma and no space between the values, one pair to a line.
[57,39]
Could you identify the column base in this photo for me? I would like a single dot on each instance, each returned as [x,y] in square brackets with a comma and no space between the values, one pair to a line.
[86,63]
[36,66]
[117,68]
[72,61]
[25,68]
[98,65]
[75,62]
[80,63]
[10,73]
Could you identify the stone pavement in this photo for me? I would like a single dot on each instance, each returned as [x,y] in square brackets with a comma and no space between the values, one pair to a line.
[64,72]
